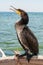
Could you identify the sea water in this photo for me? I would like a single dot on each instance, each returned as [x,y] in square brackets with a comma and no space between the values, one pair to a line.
[8,38]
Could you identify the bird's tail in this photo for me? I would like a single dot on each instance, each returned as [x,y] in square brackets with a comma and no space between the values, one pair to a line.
[29,56]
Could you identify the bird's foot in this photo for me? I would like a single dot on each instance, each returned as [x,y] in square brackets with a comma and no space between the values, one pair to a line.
[22,55]
[18,56]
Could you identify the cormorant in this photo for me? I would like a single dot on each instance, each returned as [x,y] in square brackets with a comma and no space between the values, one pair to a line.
[25,36]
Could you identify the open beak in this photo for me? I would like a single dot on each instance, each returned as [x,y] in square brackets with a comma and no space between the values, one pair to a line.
[16,10]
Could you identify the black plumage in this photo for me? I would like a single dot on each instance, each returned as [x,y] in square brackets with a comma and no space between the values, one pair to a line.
[25,36]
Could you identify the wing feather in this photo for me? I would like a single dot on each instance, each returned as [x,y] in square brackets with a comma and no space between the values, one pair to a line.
[28,40]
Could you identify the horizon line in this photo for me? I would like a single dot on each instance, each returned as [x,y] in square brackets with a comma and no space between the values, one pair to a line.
[26,11]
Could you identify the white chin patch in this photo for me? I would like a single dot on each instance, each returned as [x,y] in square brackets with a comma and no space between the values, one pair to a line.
[18,20]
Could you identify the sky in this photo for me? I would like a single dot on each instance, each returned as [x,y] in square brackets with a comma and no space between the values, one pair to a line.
[27,5]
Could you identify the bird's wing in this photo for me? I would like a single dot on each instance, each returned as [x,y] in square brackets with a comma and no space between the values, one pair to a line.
[28,40]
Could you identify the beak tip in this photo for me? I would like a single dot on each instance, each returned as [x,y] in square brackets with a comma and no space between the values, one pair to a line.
[14,9]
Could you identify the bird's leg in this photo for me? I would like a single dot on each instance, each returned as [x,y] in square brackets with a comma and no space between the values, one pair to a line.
[18,55]
[25,54]
[28,55]
[21,55]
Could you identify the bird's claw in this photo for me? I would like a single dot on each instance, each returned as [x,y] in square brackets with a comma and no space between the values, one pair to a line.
[18,55]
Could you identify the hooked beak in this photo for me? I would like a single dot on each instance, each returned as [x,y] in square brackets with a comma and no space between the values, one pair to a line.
[16,10]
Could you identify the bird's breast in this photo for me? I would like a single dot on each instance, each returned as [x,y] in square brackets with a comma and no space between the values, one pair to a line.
[19,30]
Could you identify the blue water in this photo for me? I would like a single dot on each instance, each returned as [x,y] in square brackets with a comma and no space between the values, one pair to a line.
[8,38]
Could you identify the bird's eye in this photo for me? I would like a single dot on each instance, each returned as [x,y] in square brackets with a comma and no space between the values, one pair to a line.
[22,13]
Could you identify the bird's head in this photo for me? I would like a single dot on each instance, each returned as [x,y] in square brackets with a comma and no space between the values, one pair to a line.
[22,13]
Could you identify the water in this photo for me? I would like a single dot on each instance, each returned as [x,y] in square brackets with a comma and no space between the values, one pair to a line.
[8,38]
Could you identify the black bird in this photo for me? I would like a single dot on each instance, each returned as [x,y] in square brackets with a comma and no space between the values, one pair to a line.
[25,36]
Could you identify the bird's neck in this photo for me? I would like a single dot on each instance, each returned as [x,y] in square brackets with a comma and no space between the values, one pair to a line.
[21,24]
[23,21]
